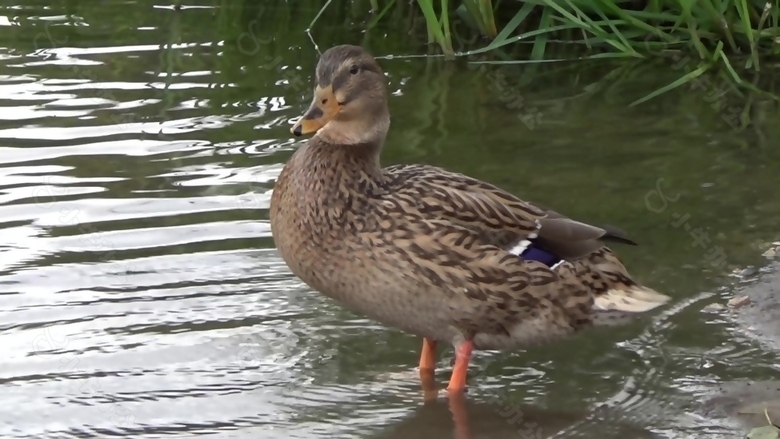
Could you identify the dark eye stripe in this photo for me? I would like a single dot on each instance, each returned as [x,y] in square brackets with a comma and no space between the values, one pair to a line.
[343,75]
[368,67]
[341,79]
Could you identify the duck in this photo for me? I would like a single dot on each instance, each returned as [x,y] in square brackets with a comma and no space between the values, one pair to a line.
[432,252]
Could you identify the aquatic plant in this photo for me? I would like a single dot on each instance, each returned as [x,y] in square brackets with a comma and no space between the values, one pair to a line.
[770,431]
[732,35]
[712,29]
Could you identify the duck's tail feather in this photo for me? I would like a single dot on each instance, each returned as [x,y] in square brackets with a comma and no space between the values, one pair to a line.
[618,305]
[632,299]
[619,298]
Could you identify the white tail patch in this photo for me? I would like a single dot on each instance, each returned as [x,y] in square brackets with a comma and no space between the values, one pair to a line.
[520,247]
[635,299]
[558,264]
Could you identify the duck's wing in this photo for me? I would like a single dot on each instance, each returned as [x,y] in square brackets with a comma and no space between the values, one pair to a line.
[501,217]
[465,233]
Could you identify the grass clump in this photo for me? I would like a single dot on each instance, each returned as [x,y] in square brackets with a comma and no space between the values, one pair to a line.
[733,35]
[627,28]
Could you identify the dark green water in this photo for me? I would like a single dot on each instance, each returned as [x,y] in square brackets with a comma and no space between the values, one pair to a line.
[140,295]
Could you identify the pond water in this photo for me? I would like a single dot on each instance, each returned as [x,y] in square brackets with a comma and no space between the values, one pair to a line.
[141,296]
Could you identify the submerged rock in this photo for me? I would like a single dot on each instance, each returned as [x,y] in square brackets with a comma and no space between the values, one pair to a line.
[713,307]
[746,402]
[739,301]
[762,319]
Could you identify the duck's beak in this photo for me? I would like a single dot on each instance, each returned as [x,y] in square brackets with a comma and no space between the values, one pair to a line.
[323,108]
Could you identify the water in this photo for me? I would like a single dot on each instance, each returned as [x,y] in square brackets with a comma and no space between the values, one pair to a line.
[142,297]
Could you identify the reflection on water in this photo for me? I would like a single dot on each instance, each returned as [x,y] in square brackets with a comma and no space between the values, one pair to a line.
[473,419]
[141,295]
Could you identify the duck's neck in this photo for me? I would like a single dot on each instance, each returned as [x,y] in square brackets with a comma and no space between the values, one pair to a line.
[354,166]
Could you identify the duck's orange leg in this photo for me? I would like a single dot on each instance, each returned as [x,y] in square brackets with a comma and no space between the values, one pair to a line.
[428,370]
[460,371]
[428,356]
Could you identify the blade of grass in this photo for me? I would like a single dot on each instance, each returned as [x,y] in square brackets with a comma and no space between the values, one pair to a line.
[486,8]
[540,44]
[681,81]
[311,25]
[445,25]
[513,24]
[626,15]
[434,24]
[473,9]
[588,24]
[552,29]
[717,16]
[615,30]
[744,15]
[375,19]
[703,54]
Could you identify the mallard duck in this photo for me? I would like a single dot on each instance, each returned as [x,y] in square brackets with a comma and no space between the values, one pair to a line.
[431,252]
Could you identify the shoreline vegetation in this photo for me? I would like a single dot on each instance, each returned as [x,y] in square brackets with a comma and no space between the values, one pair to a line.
[733,39]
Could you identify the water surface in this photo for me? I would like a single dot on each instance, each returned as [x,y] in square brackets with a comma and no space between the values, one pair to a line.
[140,294]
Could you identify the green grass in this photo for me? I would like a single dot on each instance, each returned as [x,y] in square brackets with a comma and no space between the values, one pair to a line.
[714,30]
[735,40]
[730,36]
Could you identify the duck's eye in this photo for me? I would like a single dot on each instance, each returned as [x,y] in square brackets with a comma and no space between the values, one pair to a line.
[324,101]
[354,70]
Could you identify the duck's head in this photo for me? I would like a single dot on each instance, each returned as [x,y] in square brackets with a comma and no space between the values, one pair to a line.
[350,99]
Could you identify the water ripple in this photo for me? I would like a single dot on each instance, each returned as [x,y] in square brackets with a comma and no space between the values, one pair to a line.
[140,294]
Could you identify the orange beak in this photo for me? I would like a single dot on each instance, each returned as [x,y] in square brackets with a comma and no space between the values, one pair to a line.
[323,108]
